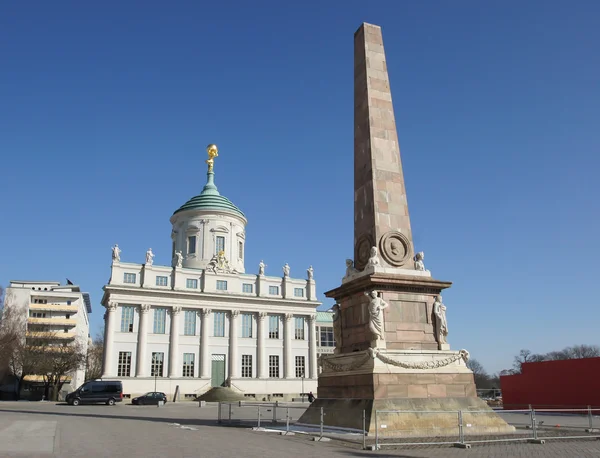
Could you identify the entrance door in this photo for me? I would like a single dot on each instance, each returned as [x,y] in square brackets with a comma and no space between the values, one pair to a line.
[218,370]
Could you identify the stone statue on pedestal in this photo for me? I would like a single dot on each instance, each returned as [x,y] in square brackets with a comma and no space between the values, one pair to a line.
[286,270]
[376,325]
[178,259]
[337,328]
[310,272]
[441,324]
[116,253]
[374,258]
[261,268]
[419,265]
[350,269]
[149,257]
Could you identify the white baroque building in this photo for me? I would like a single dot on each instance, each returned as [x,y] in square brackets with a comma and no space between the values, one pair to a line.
[204,321]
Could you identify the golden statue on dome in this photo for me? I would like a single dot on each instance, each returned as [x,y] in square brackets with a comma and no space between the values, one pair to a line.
[213,152]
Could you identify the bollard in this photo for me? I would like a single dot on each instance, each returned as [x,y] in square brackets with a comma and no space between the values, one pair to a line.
[590,420]
[376,432]
[364,430]
[287,420]
[321,436]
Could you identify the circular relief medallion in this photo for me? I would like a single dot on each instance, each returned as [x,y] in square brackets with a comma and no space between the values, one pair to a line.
[363,249]
[394,248]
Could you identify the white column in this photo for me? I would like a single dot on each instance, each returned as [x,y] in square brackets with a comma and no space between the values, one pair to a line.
[261,336]
[142,345]
[288,364]
[109,329]
[174,342]
[312,347]
[234,364]
[204,351]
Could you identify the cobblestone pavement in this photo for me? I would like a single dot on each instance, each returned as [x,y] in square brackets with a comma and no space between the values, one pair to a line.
[184,430]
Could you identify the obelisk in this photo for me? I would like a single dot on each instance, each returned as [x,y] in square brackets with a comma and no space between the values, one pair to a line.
[381,215]
[393,352]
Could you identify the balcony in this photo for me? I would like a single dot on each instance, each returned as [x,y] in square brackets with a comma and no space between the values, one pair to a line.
[40,378]
[52,321]
[54,307]
[50,335]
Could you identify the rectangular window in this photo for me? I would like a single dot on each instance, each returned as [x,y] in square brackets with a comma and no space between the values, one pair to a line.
[124,368]
[220,244]
[68,302]
[127,319]
[188,365]
[299,328]
[240,250]
[300,366]
[219,318]
[274,366]
[156,369]
[247,366]
[189,327]
[160,317]
[274,290]
[326,339]
[191,283]
[128,278]
[247,288]
[162,281]
[273,327]
[298,292]
[222,285]
[246,325]
[192,244]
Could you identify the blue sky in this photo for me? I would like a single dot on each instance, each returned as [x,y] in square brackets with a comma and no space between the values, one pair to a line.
[106,111]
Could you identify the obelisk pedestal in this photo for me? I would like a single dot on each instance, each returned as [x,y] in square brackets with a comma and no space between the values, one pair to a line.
[392,353]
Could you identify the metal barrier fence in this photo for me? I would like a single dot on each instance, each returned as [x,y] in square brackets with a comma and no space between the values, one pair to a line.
[463,428]
[396,428]
[283,417]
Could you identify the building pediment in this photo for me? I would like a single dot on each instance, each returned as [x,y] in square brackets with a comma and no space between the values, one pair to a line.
[220,229]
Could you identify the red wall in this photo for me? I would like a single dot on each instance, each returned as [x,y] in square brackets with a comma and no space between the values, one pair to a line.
[567,383]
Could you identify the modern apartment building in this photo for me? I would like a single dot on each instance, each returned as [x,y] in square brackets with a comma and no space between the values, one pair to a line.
[54,312]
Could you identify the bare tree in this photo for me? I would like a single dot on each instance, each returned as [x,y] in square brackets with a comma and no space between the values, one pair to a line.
[11,335]
[95,355]
[526,356]
[60,362]
[479,373]
[575,352]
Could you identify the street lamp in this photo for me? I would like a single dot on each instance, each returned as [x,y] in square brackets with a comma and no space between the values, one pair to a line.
[155,367]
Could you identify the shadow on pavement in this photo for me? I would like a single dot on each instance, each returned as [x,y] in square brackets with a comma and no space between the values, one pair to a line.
[182,421]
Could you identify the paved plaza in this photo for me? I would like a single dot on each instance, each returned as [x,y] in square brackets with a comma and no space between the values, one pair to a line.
[185,430]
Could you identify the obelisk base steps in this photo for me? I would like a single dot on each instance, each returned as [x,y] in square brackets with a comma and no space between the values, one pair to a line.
[419,417]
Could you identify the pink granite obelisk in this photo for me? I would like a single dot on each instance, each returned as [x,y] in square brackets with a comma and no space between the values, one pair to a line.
[381,216]
[392,352]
